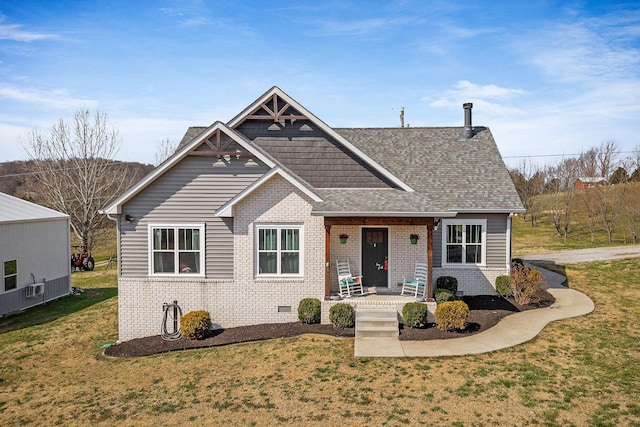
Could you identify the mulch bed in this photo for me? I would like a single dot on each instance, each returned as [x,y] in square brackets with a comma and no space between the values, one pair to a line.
[486,311]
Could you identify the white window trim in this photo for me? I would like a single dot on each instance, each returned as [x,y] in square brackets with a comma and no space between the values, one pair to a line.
[256,258]
[464,222]
[200,226]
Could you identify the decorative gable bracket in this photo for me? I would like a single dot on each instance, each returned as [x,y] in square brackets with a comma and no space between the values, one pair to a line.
[214,146]
[278,110]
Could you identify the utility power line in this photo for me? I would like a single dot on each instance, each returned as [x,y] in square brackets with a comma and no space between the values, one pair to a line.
[559,155]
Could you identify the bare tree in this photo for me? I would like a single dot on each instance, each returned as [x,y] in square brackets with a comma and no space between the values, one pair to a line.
[165,149]
[529,181]
[610,209]
[591,210]
[600,161]
[632,165]
[75,171]
[562,190]
[589,163]
[607,158]
[630,202]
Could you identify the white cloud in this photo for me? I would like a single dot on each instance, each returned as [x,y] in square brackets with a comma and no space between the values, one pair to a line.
[14,32]
[58,99]
[585,50]
[486,98]
[363,27]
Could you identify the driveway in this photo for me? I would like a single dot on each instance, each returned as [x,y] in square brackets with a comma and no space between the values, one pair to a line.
[586,255]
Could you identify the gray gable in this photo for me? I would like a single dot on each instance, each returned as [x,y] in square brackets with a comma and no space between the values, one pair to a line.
[312,155]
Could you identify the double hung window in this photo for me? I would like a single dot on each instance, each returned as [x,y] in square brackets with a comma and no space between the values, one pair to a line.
[10,275]
[464,242]
[279,250]
[177,249]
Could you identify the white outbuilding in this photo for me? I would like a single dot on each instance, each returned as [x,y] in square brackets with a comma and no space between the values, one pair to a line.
[34,254]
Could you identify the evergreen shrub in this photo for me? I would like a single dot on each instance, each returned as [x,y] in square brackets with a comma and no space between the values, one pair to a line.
[309,310]
[447,282]
[195,325]
[452,315]
[342,315]
[414,314]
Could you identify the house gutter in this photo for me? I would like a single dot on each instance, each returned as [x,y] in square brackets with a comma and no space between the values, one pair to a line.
[448,214]
[495,211]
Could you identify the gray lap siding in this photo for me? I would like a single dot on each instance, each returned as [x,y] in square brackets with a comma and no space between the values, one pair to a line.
[474,280]
[190,192]
[497,240]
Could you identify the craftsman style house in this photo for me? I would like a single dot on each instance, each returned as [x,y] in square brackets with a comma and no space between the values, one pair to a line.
[246,218]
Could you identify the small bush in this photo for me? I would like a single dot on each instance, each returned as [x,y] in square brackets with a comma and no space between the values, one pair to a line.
[452,315]
[309,310]
[447,282]
[503,286]
[442,295]
[342,315]
[525,283]
[195,325]
[414,314]
[517,262]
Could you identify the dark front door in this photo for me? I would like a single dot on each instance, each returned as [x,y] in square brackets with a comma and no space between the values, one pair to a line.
[375,253]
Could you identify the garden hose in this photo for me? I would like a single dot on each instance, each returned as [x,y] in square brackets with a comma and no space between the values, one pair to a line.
[173,312]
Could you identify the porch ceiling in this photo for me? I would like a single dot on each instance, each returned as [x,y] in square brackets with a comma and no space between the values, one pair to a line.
[329,221]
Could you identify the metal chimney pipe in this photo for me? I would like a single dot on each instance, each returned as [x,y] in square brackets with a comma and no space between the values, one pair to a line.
[467,133]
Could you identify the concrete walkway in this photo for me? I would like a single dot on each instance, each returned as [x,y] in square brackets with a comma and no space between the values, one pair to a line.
[512,330]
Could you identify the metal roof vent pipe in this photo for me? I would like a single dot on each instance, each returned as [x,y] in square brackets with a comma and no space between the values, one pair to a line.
[467,132]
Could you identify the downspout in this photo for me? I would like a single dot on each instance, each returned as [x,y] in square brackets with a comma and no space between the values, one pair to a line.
[117,241]
[327,261]
[510,248]
[430,261]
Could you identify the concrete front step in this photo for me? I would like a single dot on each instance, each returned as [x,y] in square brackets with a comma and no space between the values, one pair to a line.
[376,322]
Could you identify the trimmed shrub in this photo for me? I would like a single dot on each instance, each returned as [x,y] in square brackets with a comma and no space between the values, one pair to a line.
[342,315]
[452,315]
[309,310]
[195,325]
[447,282]
[414,314]
[442,295]
[503,286]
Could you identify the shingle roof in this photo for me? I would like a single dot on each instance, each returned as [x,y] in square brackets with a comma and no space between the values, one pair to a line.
[380,171]
[13,209]
[448,173]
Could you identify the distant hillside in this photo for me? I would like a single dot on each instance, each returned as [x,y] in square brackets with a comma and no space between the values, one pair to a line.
[15,176]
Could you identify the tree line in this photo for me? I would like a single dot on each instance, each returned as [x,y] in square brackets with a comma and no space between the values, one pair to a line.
[600,185]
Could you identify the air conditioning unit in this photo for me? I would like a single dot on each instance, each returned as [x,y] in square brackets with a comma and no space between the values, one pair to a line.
[35,290]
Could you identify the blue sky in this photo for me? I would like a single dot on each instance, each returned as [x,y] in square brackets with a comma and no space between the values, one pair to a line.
[547,77]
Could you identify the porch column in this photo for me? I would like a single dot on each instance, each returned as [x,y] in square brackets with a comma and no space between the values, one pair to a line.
[430,260]
[327,260]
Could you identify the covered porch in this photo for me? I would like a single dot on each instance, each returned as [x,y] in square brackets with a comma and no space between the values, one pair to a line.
[380,249]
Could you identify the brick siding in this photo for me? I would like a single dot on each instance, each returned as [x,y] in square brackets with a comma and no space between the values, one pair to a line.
[245,300]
